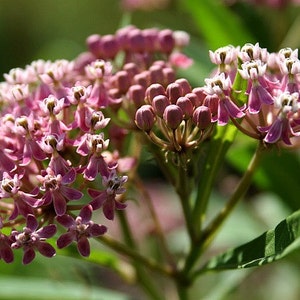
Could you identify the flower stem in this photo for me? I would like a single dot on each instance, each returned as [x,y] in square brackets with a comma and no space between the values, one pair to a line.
[209,232]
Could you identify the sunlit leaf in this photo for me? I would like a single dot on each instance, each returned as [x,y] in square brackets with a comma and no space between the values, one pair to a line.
[270,246]
[217,23]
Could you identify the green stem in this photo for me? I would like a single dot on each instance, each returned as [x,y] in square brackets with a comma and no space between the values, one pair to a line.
[210,231]
[183,190]
[138,261]
[215,156]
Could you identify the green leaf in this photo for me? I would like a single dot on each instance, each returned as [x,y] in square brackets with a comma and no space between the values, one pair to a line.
[270,246]
[217,23]
[44,289]
[239,88]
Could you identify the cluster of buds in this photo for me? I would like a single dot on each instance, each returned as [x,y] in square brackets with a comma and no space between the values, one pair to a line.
[174,118]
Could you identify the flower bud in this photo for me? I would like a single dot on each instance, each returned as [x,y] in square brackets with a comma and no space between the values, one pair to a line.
[136,93]
[159,104]
[169,75]
[173,116]
[173,92]
[166,40]
[153,90]
[185,85]
[137,40]
[122,80]
[156,74]
[142,79]
[202,117]
[150,35]
[145,118]
[186,106]
[94,44]
[110,46]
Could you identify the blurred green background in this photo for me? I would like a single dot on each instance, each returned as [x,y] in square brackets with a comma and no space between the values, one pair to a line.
[54,29]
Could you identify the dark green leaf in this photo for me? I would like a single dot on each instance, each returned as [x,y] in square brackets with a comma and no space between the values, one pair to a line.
[217,23]
[270,246]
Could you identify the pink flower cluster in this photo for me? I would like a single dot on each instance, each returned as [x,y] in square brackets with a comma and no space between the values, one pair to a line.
[64,126]
[57,165]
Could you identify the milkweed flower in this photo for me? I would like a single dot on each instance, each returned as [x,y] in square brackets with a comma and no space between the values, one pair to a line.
[79,230]
[32,238]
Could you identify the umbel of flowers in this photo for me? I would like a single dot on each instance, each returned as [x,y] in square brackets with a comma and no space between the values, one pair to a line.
[64,126]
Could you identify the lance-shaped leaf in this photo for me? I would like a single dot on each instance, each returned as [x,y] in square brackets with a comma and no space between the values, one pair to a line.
[270,246]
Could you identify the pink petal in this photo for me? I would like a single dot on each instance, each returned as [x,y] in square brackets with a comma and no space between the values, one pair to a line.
[59,203]
[46,249]
[96,230]
[109,209]
[6,254]
[65,240]
[31,222]
[223,115]
[83,246]
[274,132]
[47,231]
[29,256]
[70,193]
[65,220]
[86,213]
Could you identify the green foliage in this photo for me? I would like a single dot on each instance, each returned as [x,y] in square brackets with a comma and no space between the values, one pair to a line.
[270,246]
[217,23]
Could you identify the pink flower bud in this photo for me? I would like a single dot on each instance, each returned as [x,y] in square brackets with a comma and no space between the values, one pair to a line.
[185,85]
[153,90]
[169,75]
[173,116]
[202,117]
[122,79]
[136,93]
[156,74]
[166,40]
[174,92]
[159,104]
[110,46]
[137,40]
[186,106]
[94,44]
[145,118]
[142,79]
[150,36]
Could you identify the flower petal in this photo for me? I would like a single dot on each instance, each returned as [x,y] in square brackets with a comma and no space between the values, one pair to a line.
[28,256]
[97,229]
[47,231]
[59,203]
[86,213]
[70,193]
[83,246]
[31,222]
[46,249]
[65,220]
[65,240]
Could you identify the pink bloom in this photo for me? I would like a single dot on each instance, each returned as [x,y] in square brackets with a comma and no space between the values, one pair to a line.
[107,199]
[79,230]
[23,202]
[180,60]
[56,190]
[32,238]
